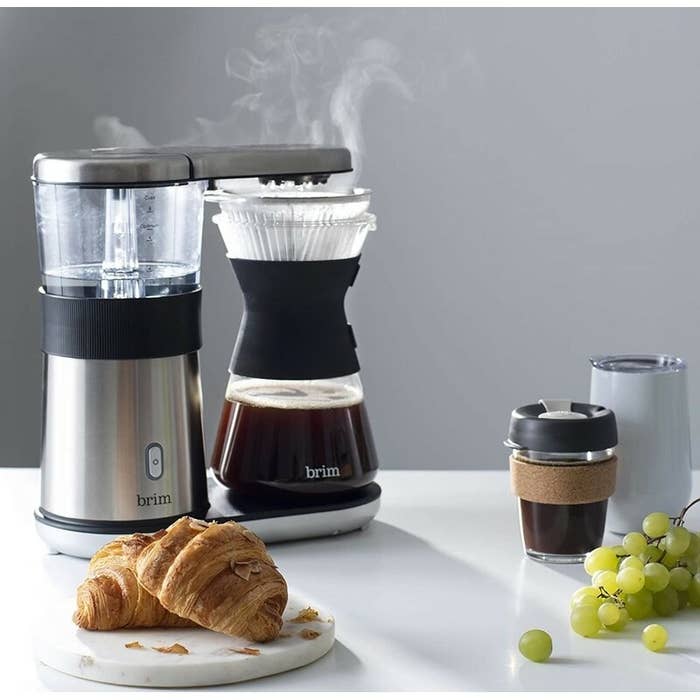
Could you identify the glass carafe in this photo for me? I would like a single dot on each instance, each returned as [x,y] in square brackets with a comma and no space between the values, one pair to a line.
[294,425]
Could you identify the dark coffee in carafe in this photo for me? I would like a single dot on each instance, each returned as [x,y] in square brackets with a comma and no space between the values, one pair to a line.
[294,443]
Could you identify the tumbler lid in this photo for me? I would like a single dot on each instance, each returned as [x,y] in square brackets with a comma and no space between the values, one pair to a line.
[638,364]
[562,426]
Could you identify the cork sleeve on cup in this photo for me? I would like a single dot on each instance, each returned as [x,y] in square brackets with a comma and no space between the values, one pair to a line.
[561,483]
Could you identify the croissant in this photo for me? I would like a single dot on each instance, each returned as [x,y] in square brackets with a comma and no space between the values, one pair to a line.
[217,574]
[111,597]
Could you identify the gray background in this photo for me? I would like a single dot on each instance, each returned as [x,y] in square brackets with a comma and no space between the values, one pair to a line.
[537,200]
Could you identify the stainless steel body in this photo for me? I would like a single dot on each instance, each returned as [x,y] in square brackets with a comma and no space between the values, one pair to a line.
[122,439]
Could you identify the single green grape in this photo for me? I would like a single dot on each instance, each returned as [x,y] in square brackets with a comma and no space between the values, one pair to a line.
[694,546]
[535,645]
[680,578]
[584,620]
[601,558]
[656,577]
[654,637]
[630,580]
[605,579]
[596,601]
[694,591]
[621,623]
[583,592]
[608,614]
[666,602]
[634,543]
[669,561]
[640,605]
[633,562]
[656,524]
[651,554]
[677,541]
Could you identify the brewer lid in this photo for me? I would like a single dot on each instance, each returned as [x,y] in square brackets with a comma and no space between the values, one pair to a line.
[111,166]
[172,164]
[562,426]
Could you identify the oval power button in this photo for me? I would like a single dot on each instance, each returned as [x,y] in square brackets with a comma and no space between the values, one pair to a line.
[154,461]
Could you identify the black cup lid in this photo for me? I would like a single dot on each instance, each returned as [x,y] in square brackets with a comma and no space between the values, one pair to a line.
[556,425]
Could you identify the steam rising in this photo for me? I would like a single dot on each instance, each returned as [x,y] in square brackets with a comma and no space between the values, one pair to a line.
[296,86]
[111,132]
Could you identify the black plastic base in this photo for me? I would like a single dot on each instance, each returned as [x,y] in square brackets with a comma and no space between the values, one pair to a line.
[109,527]
[224,506]
[273,524]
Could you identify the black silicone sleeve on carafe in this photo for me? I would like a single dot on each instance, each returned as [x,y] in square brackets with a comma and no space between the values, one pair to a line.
[294,324]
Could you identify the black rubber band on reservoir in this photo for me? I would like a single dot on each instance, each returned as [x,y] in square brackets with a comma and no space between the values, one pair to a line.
[294,324]
[121,329]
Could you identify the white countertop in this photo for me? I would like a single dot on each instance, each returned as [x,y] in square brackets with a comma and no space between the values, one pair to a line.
[432,596]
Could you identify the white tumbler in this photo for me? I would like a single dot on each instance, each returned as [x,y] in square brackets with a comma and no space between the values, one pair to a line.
[649,396]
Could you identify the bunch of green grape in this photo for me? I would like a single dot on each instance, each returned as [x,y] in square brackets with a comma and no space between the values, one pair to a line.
[653,572]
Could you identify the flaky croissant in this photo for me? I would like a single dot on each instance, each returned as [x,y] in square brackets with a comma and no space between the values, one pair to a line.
[217,574]
[111,597]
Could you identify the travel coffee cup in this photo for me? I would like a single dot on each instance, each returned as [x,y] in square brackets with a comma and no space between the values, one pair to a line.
[563,469]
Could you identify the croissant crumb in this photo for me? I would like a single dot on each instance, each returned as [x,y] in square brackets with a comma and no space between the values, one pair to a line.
[173,649]
[309,634]
[306,615]
[249,651]
[134,645]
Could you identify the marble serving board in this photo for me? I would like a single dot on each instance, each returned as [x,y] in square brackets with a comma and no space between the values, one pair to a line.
[213,658]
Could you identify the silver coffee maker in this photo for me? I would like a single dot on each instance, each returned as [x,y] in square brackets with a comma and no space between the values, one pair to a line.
[120,245]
